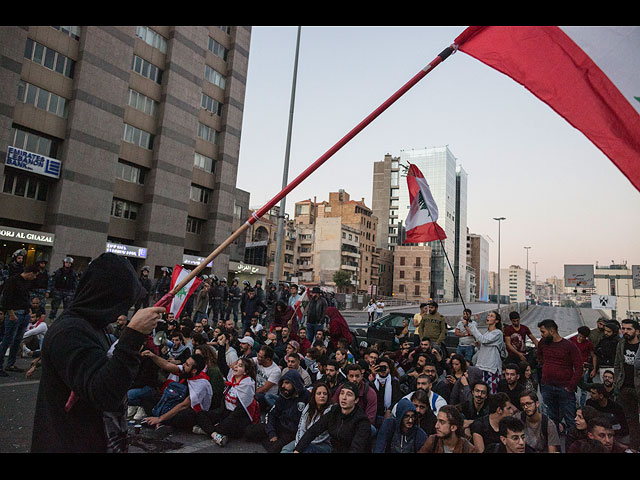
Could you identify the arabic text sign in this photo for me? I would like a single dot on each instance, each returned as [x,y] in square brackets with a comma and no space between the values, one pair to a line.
[578,276]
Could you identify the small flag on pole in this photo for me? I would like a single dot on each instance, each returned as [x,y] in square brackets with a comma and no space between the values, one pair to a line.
[421,223]
[180,298]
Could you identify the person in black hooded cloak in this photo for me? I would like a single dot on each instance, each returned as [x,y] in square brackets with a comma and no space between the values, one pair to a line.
[82,397]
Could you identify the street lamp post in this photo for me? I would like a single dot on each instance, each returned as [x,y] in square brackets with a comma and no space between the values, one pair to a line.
[535,281]
[527,287]
[499,219]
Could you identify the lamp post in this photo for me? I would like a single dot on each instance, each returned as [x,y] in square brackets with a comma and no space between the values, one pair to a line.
[499,219]
[535,281]
[527,287]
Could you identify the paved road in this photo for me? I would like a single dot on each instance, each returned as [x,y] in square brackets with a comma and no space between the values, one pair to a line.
[18,394]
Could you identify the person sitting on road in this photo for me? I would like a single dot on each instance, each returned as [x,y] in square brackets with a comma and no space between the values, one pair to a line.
[401,434]
[512,437]
[449,435]
[486,430]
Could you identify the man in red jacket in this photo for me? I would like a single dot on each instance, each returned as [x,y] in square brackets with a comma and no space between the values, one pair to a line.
[338,327]
[561,370]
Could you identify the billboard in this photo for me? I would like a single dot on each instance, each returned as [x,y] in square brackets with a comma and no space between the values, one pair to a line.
[603,301]
[578,276]
[635,275]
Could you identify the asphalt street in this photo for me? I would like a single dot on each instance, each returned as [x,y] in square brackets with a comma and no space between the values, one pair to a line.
[18,394]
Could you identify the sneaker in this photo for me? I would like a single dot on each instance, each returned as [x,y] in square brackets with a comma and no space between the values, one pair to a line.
[198,430]
[13,368]
[139,414]
[131,411]
[221,440]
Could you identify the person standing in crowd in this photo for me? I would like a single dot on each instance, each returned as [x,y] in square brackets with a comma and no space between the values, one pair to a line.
[584,345]
[253,308]
[316,310]
[561,371]
[466,341]
[430,323]
[81,402]
[147,285]
[625,376]
[15,299]
[515,339]
[491,343]
[605,351]
[41,283]
[62,286]
[235,295]
[16,266]
[371,311]
[163,285]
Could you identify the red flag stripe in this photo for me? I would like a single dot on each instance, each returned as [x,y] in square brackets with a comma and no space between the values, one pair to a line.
[427,232]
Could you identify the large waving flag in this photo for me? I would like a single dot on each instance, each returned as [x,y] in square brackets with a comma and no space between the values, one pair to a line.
[180,298]
[421,223]
[588,75]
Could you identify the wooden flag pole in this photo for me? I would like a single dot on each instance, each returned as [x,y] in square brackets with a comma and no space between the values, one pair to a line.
[165,301]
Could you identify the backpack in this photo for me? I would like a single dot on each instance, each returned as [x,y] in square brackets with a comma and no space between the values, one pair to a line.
[173,394]
[543,427]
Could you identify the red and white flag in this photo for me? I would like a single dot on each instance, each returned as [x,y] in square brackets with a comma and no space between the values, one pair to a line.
[588,75]
[297,307]
[180,298]
[421,223]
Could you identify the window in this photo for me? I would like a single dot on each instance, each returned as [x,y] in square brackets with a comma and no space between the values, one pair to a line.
[211,105]
[48,58]
[401,260]
[401,288]
[42,99]
[33,142]
[416,290]
[207,133]
[226,30]
[214,77]
[205,163]
[194,225]
[417,277]
[138,137]
[417,261]
[25,186]
[73,32]
[146,69]
[152,38]
[142,102]
[237,211]
[199,194]
[129,173]
[401,273]
[124,209]
[218,49]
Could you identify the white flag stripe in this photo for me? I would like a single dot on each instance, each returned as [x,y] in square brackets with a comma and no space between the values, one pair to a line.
[417,214]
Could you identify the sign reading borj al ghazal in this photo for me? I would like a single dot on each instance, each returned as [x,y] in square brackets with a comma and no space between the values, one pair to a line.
[126,250]
[33,162]
[26,236]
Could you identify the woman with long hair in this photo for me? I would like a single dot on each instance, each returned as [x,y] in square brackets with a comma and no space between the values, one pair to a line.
[213,371]
[319,404]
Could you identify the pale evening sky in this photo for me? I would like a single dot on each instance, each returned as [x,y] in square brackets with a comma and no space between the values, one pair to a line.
[560,195]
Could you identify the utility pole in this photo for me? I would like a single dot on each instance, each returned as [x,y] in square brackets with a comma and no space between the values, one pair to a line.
[285,174]
[527,287]
[499,219]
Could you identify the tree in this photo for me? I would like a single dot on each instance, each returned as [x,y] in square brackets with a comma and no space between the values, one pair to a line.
[342,279]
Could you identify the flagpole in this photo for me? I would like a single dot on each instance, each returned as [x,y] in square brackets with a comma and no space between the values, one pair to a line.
[255,216]
[455,282]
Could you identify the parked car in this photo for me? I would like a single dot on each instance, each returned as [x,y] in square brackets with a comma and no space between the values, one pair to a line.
[385,329]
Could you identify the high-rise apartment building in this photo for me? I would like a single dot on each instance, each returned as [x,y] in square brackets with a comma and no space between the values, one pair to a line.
[448,183]
[478,258]
[515,282]
[121,139]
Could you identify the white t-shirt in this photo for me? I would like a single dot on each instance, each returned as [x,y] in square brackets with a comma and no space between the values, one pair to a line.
[267,374]
[469,339]
[379,307]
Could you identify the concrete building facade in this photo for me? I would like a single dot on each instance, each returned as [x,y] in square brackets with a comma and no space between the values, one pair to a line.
[138,130]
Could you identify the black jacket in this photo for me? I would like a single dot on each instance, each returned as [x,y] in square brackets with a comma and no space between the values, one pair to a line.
[349,433]
[15,294]
[74,358]
[284,416]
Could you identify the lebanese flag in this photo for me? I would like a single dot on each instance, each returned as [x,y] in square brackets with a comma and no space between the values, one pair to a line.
[421,223]
[588,75]
[180,298]
[297,307]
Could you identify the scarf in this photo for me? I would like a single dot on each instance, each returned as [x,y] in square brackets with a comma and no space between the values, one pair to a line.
[386,381]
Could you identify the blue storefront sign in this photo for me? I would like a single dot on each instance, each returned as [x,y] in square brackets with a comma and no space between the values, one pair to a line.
[33,162]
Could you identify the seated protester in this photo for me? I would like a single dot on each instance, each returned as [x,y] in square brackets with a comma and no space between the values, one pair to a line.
[293,363]
[371,356]
[387,388]
[512,437]
[319,405]
[368,400]
[449,434]
[401,357]
[240,409]
[461,391]
[540,431]
[613,410]
[333,376]
[438,384]
[311,362]
[341,359]
[305,344]
[348,426]
[344,344]
[198,328]
[144,392]
[282,420]
[605,350]
[283,316]
[510,384]
[183,415]
[319,344]
[434,354]
[579,431]
[426,416]
[179,352]
[401,434]
[527,379]
[600,429]
[485,430]
[34,334]
[267,378]
[423,382]
[476,406]
[283,337]
[213,372]
[246,347]
[455,374]
[197,339]
[321,365]
[223,345]
[409,380]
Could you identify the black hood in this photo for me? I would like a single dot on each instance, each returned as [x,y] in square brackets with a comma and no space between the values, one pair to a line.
[108,288]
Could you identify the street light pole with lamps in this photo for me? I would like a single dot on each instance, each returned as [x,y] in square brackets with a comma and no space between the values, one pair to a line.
[499,219]
[525,277]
